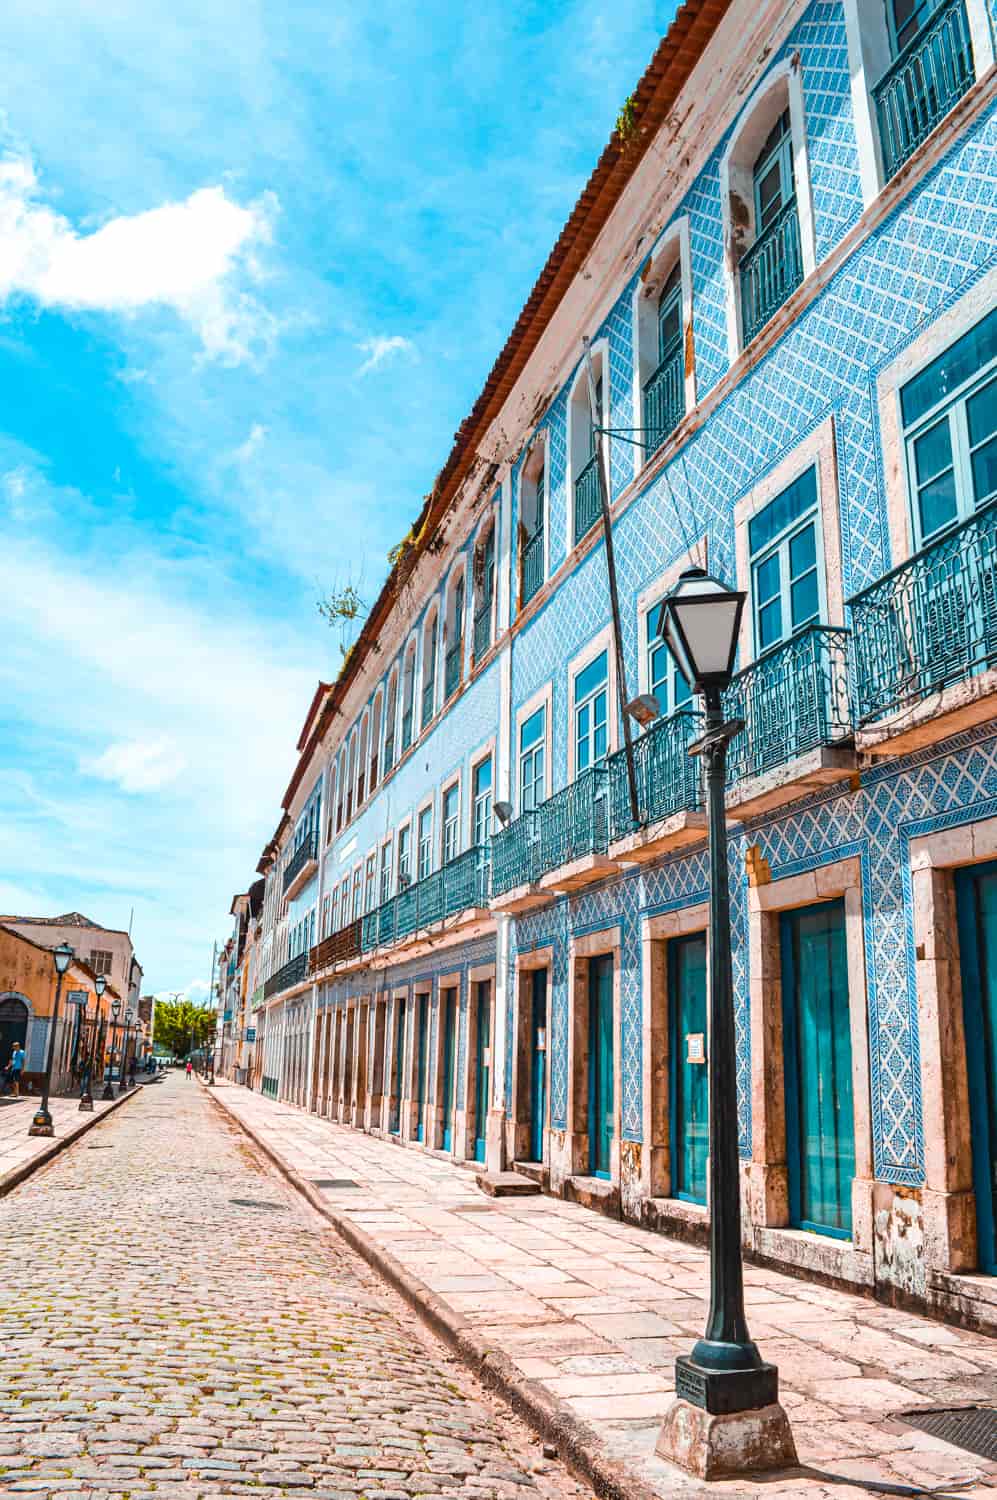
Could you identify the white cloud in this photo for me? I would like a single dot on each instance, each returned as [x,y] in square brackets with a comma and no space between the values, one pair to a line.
[254,442]
[194,257]
[138,765]
[381,347]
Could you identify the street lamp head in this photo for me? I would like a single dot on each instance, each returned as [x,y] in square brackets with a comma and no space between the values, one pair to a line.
[63,956]
[503,812]
[129,1016]
[699,625]
[100,984]
[115,1008]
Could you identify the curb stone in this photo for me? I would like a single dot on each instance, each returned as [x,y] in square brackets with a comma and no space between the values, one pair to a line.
[554,1422]
[16,1175]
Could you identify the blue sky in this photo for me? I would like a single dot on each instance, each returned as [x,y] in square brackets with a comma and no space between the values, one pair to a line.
[255,262]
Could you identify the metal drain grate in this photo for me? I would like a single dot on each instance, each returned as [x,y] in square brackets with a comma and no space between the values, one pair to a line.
[971,1427]
[258,1203]
[334,1182]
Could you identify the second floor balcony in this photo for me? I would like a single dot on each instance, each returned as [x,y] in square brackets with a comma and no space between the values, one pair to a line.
[301,866]
[926,641]
[929,76]
[339,947]
[451,669]
[798,734]
[482,629]
[770,271]
[669,791]
[588,498]
[428,701]
[287,976]
[406,729]
[558,846]
[531,563]
[664,400]
[455,894]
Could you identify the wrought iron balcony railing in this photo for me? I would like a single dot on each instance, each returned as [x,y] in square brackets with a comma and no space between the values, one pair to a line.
[532,565]
[664,400]
[293,972]
[406,729]
[336,948]
[770,271]
[451,670]
[668,777]
[305,852]
[457,886]
[482,629]
[568,826]
[428,701]
[930,622]
[931,74]
[793,699]
[268,1087]
[588,501]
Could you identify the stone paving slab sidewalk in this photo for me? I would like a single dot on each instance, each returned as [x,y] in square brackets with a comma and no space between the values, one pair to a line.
[21,1153]
[586,1316]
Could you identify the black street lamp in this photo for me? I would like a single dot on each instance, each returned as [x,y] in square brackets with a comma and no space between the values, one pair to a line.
[41,1124]
[724,1383]
[86,1097]
[129,1030]
[108,1092]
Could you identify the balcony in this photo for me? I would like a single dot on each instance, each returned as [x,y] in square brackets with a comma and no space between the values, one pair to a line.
[388,756]
[301,866]
[926,641]
[770,271]
[455,893]
[286,977]
[531,565]
[257,998]
[338,948]
[451,669]
[588,499]
[664,400]
[669,792]
[428,701]
[559,846]
[930,76]
[798,733]
[482,629]
[406,728]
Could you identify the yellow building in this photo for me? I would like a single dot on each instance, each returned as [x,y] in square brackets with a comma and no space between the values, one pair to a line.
[27,1000]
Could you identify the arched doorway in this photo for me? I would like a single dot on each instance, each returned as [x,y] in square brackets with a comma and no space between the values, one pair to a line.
[13,1026]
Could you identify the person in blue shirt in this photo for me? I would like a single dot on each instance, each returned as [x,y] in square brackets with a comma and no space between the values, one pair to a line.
[16,1064]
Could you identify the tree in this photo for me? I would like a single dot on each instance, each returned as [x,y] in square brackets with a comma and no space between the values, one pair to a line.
[182,1027]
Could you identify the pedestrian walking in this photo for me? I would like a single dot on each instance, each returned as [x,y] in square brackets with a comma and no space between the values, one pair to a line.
[190,1067]
[16,1064]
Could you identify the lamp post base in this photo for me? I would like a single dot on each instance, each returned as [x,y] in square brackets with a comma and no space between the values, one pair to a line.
[719,1445]
[86,1103]
[41,1124]
[107,1094]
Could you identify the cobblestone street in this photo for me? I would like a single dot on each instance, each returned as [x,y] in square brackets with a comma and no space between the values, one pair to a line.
[176,1322]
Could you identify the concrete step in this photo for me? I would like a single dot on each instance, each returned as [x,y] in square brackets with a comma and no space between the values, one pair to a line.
[506,1184]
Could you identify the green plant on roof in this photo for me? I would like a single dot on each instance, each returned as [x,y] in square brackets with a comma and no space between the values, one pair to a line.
[626,120]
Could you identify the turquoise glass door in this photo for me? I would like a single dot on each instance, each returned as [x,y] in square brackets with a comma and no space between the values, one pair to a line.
[399,1070]
[690,1088]
[820,1119]
[482,1067]
[976,902]
[422,1017]
[449,1063]
[601,1101]
[538,1062]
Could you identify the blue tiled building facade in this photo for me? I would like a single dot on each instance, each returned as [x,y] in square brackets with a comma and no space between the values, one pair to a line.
[789,284]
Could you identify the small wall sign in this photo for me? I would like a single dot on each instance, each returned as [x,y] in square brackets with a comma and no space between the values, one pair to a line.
[77,997]
[695,1047]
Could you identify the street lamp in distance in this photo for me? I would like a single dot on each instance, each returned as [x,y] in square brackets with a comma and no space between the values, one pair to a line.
[41,1123]
[86,1095]
[108,1092]
[726,1418]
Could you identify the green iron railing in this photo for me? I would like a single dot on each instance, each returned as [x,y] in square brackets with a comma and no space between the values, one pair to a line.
[930,75]
[406,729]
[930,622]
[293,972]
[515,854]
[793,699]
[664,400]
[269,1087]
[532,565]
[588,500]
[482,629]
[306,851]
[257,999]
[568,826]
[770,271]
[428,701]
[451,670]
[668,778]
[457,886]
[337,948]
